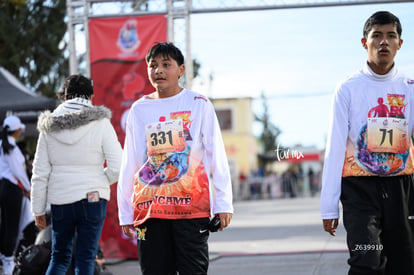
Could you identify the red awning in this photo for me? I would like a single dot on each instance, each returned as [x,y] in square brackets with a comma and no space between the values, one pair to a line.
[297,157]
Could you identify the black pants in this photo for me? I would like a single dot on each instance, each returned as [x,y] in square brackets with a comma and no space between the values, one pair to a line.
[10,207]
[378,215]
[169,246]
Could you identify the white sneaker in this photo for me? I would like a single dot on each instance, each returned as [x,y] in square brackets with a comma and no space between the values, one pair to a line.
[8,265]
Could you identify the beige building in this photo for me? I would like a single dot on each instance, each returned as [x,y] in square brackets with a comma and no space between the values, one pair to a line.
[236,119]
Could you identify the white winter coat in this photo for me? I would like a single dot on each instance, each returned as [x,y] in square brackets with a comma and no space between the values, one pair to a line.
[74,143]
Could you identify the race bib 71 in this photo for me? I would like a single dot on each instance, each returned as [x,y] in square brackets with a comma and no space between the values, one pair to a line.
[387,134]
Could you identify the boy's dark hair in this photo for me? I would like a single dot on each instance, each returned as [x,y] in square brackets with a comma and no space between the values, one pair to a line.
[77,86]
[382,18]
[166,50]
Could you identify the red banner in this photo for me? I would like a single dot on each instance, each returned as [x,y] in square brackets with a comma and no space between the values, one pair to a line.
[118,70]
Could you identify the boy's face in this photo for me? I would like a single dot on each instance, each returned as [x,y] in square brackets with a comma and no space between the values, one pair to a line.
[382,44]
[164,73]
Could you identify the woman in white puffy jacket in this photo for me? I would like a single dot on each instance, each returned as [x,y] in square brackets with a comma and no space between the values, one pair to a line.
[76,141]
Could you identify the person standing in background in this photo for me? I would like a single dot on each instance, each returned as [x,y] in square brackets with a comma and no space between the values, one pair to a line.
[75,142]
[312,184]
[14,184]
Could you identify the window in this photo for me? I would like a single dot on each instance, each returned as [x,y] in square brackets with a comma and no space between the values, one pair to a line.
[224,117]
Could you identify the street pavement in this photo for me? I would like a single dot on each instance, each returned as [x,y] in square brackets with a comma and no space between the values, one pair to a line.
[268,237]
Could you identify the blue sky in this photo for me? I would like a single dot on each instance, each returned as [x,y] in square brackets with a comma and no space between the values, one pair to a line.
[296,56]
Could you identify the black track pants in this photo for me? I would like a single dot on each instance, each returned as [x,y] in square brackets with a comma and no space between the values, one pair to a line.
[378,215]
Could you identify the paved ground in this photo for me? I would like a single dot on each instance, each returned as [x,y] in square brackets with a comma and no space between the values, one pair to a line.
[280,236]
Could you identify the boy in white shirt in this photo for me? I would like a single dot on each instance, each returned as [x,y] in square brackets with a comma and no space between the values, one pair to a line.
[173,142]
[369,160]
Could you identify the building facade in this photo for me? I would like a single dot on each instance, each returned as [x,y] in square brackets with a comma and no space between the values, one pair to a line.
[236,120]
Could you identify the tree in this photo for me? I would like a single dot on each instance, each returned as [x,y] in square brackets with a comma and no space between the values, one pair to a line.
[269,135]
[31,42]
[196,68]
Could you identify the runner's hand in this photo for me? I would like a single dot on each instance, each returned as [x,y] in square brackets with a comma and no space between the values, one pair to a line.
[225,219]
[128,230]
[330,225]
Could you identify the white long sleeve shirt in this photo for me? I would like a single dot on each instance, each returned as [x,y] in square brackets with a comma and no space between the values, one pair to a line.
[12,165]
[171,146]
[370,132]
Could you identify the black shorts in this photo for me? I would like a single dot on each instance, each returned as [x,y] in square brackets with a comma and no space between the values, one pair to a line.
[378,215]
[171,246]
